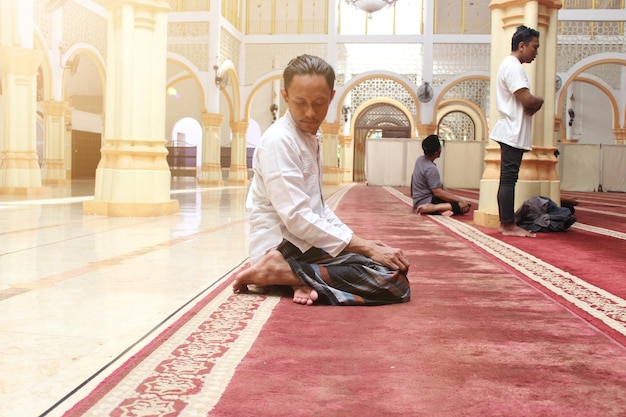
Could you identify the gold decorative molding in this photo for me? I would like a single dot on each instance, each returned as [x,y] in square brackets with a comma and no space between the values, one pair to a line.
[212,119]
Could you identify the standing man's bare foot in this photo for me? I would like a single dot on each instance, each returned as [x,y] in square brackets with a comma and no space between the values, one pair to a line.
[271,269]
[304,295]
[511,229]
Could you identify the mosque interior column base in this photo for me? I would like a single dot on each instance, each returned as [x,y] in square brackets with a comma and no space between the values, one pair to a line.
[53,172]
[485,219]
[238,175]
[134,193]
[211,174]
[345,175]
[487,213]
[20,177]
[330,176]
[24,190]
[111,209]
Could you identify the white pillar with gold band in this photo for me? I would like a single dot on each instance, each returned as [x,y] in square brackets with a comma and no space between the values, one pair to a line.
[53,169]
[133,177]
[238,173]
[19,168]
[211,170]
[346,159]
[330,146]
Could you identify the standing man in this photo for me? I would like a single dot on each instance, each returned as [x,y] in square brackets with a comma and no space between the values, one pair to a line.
[512,131]
[295,239]
[429,195]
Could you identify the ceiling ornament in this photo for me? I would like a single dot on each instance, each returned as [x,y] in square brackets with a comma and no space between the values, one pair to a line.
[370,6]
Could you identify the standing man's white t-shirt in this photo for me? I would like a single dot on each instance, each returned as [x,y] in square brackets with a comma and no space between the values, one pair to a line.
[514,126]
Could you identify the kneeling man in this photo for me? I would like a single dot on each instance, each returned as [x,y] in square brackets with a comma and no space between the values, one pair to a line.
[295,239]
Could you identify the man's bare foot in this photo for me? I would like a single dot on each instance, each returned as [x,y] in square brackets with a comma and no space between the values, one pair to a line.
[511,229]
[447,213]
[304,295]
[425,208]
[271,269]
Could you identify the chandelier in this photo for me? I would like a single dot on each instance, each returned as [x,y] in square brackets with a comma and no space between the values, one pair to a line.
[370,6]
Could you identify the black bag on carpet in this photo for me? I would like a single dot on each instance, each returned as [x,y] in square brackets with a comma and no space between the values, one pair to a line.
[541,214]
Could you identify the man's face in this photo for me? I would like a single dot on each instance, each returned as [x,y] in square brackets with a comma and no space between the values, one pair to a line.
[308,98]
[529,51]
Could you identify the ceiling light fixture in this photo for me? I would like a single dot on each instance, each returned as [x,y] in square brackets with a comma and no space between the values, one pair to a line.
[371,6]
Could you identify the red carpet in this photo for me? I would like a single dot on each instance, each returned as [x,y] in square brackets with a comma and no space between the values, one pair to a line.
[592,250]
[476,340]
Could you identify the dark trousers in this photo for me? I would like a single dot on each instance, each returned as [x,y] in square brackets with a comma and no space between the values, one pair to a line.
[511,159]
[456,209]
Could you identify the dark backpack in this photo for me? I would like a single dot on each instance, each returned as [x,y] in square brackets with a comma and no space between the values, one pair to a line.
[541,214]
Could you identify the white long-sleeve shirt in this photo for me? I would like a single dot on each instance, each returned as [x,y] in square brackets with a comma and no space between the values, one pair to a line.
[285,198]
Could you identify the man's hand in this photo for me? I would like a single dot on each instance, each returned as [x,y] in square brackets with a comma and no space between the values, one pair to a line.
[532,104]
[392,258]
[465,206]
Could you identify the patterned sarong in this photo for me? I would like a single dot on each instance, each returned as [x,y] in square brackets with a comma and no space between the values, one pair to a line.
[347,279]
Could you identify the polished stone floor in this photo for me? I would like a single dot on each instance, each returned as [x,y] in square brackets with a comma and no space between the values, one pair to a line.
[80,293]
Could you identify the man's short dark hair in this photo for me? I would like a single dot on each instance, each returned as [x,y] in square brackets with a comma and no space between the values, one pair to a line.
[310,65]
[431,145]
[523,34]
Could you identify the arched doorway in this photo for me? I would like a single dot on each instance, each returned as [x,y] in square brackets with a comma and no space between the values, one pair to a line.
[457,125]
[378,120]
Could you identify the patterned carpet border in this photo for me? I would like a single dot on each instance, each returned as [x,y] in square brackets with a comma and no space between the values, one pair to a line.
[185,370]
[595,301]
[600,230]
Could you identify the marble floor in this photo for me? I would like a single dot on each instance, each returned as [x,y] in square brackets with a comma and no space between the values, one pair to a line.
[79,294]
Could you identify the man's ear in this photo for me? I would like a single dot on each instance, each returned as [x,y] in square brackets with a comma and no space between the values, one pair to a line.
[332,95]
[283,93]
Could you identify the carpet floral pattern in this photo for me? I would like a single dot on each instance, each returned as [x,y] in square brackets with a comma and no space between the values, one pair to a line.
[185,370]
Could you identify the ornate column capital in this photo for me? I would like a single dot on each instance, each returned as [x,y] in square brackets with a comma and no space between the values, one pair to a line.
[239,127]
[620,135]
[212,119]
[54,108]
[426,129]
[345,140]
[22,61]
[331,128]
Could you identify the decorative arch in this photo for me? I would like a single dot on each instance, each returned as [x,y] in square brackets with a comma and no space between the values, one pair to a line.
[233,96]
[190,72]
[260,83]
[574,74]
[582,66]
[370,75]
[453,82]
[93,54]
[471,109]
[366,106]
[360,135]
[45,66]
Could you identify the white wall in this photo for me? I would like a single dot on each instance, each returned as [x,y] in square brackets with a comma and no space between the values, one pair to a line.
[593,121]
[87,122]
[391,162]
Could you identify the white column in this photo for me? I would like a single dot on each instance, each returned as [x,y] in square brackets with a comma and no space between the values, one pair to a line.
[133,177]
